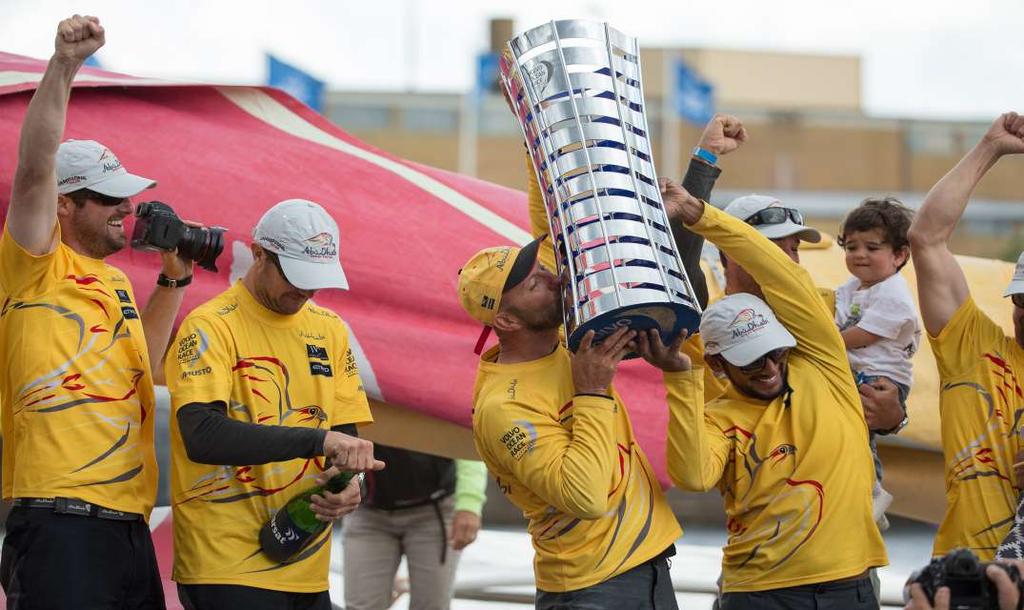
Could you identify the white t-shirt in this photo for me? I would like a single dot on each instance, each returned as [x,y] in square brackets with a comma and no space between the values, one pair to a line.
[887,310]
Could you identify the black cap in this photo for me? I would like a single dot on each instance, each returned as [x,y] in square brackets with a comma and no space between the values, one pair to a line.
[523,264]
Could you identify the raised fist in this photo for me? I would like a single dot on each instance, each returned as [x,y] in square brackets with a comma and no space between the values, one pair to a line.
[723,134]
[78,37]
[1006,134]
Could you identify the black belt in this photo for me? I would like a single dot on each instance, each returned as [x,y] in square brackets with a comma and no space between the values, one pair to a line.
[74,506]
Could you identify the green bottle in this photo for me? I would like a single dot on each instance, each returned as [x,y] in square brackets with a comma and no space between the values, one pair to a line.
[283,536]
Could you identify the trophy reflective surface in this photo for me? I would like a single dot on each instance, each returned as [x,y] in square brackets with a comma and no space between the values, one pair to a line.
[576,91]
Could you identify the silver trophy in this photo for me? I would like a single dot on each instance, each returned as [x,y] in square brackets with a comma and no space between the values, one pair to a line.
[575,88]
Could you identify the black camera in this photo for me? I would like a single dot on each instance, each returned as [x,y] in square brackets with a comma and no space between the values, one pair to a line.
[158,228]
[961,571]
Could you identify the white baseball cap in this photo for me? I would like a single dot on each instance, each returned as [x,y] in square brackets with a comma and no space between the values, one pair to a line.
[305,238]
[1017,283]
[87,164]
[742,328]
[749,205]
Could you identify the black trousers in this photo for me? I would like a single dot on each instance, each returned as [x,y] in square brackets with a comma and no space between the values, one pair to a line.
[836,595]
[60,561]
[225,597]
[648,586]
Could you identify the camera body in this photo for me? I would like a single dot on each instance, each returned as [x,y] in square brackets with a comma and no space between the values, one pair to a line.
[964,574]
[158,229]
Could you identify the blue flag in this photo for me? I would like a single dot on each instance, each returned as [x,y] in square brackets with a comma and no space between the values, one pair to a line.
[301,85]
[486,74]
[694,96]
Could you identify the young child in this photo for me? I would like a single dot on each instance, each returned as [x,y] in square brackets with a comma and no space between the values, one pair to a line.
[875,311]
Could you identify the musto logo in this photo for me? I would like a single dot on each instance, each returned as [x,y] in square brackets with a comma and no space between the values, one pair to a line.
[746,322]
[321,246]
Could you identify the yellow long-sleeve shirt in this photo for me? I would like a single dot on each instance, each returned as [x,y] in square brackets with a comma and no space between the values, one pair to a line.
[795,472]
[573,466]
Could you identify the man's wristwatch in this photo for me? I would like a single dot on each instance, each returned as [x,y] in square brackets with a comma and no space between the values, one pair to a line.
[900,426]
[166,282]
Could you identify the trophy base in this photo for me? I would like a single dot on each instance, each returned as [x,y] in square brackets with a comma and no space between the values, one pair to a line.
[669,318]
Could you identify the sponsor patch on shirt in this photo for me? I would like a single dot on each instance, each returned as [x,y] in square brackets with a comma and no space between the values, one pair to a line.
[319,368]
[123,296]
[129,313]
[316,351]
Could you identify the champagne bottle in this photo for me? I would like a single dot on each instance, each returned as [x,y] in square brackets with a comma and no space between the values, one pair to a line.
[295,524]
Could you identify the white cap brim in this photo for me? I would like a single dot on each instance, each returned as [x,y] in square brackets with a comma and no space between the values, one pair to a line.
[744,353]
[306,275]
[788,228]
[1016,287]
[120,185]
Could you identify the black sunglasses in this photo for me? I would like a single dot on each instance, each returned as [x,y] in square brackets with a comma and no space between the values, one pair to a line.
[1018,299]
[775,216]
[83,195]
[778,356]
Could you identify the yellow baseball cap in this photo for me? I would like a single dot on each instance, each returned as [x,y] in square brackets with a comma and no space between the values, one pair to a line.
[488,274]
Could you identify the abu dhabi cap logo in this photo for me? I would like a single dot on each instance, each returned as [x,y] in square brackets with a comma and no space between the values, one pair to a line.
[746,322]
[502,258]
[321,246]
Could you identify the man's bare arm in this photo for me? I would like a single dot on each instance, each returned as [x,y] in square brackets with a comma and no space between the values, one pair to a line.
[33,210]
[941,285]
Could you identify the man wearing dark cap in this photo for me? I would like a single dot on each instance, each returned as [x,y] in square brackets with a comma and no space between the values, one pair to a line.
[559,441]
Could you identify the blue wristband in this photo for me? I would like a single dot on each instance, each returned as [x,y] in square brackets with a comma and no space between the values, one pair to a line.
[705,155]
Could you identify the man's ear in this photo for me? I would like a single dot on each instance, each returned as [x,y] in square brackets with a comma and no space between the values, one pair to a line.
[506,321]
[64,206]
[717,365]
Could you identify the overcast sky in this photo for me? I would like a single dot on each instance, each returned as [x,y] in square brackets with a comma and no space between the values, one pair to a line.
[921,58]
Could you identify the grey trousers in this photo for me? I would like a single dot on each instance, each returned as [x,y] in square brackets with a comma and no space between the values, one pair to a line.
[376,540]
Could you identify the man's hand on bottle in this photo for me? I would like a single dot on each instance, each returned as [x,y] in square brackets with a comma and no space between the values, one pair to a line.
[329,506]
[350,453]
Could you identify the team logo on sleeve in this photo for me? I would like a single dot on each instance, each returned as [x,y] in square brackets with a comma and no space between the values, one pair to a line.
[520,439]
[351,368]
[191,348]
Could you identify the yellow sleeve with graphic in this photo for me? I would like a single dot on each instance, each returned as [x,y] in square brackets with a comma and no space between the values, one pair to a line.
[787,288]
[569,469]
[539,218]
[23,274]
[713,386]
[350,402]
[968,334]
[200,362]
[697,450]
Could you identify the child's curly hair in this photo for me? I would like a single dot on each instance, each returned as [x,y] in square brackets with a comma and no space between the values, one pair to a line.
[887,214]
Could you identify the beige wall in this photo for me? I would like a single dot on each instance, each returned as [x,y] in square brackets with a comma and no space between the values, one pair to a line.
[771,81]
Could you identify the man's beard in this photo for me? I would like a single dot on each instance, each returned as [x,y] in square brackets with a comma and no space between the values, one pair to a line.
[97,242]
[547,319]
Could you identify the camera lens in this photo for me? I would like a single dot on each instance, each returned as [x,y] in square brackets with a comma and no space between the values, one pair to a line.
[203,245]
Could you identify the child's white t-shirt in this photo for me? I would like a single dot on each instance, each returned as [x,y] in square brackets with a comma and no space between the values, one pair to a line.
[887,310]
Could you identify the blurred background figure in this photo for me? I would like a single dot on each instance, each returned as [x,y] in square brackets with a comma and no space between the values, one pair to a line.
[423,507]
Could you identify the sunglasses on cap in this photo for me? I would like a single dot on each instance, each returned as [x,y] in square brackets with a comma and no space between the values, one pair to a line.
[775,216]
[1018,299]
[778,356]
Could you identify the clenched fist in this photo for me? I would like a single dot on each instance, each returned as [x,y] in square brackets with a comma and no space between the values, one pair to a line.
[723,134]
[1006,135]
[78,37]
